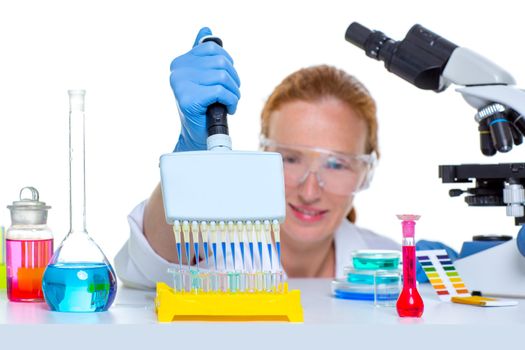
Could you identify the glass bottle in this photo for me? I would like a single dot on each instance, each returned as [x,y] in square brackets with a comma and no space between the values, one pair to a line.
[409,302]
[79,277]
[29,247]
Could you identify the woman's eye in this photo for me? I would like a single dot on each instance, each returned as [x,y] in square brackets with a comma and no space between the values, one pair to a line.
[335,164]
[291,159]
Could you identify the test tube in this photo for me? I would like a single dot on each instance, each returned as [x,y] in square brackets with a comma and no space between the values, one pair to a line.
[231,231]
[186,233]
[249,238]
[240,237]
[213,232]
[258,229]
[222,229]
[204,234]
[268,236]
[277,238]
[177,232]
[195,234]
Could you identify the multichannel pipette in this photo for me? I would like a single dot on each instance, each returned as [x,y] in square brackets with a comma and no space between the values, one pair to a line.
[186,234]
[213,231]
[240,237]
[268,235]
[222,229]
[249,235]
[204,234]
[195,234]
[277,238]
[177,232]
[258,229]
[231,231]
[227,194]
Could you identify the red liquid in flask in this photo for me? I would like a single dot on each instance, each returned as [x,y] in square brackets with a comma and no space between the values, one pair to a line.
[409,303]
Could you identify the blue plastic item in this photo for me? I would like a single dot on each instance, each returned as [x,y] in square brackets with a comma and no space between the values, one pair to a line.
[199,78]
[520,240]
[480,243]
[342,289]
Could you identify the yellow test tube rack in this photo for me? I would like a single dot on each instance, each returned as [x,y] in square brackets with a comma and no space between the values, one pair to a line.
[282,305]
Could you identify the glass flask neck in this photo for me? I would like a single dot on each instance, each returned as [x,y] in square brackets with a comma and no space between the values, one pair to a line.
[77,184]
[408,241]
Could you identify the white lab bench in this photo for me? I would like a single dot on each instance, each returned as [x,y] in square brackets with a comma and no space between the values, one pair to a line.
[132,322]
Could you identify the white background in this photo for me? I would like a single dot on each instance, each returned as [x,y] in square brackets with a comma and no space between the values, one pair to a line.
[120,52]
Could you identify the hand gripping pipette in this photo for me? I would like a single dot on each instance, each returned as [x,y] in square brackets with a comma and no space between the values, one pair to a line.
[231,231]
[177,232]
[240,237]
[186,233]
[222,230]
[204,234]
[268,236]
[258,229]
[191,192]
[277,237]
[195,236]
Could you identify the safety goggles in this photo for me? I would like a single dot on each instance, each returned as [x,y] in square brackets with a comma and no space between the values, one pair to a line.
[336,172]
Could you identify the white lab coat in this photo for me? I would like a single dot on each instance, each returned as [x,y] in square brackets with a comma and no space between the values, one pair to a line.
[138,266]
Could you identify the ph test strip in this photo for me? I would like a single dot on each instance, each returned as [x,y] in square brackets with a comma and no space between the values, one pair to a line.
[442,274]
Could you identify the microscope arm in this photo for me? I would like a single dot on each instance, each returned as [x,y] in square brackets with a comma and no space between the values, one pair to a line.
[468,68]
[508,96]
[485,82]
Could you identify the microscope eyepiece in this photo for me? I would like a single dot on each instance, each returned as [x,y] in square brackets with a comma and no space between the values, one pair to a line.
[420,58]
[357,34]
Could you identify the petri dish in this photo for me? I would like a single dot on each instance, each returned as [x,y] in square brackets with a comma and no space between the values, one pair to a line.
[380,294]
[376,259]
[391,276]
[342,289]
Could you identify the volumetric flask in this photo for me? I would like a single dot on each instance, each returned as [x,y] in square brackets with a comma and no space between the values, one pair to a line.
[79,277]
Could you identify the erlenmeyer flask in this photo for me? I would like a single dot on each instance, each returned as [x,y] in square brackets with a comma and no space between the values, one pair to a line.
[79,277]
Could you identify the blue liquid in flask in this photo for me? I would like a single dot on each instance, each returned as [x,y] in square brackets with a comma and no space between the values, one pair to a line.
[79,287]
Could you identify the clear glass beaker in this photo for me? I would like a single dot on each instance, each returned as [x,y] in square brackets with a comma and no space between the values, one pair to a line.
[29,247]
[79,277]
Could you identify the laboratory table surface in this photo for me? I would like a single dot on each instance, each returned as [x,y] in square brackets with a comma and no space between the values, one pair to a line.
[132,320]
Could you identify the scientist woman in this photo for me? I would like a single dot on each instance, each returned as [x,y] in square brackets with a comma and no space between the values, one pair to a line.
[323,122]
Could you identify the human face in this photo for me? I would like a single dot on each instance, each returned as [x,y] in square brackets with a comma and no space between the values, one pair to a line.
[312,214]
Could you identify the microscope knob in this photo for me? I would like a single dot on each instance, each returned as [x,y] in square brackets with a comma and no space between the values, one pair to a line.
[484,201]
[514,194]
[515,210]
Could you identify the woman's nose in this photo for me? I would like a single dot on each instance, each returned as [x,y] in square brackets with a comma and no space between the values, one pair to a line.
[310,189]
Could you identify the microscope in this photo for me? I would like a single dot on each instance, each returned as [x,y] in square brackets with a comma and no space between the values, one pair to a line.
[431,62]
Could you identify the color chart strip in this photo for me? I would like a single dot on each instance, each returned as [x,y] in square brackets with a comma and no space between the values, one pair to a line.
[441,273]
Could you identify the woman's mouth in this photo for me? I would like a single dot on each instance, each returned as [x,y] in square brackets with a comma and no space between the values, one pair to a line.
[307,214]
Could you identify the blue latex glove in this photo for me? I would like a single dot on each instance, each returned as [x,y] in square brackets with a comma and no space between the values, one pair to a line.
[431,245]
[202,76]
[520,240]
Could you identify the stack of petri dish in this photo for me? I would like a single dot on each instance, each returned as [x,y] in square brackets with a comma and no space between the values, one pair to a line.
[374,276]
